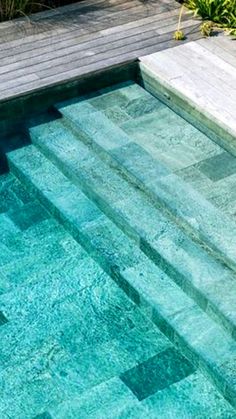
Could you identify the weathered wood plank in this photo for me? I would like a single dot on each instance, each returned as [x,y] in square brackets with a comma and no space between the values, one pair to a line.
[218,51]
[58,77]
[41,20]
[77,36]
[217,71]
[70,60]
[83,27]
[82,38]
[87,43]
[65,22]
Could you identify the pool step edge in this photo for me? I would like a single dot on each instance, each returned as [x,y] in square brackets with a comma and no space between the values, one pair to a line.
[186,212]
[166,255]
[214,359]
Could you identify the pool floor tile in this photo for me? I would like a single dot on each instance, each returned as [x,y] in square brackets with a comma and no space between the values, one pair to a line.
[83,317]
[29,215]
[193,397]
[157,373]
[44,415]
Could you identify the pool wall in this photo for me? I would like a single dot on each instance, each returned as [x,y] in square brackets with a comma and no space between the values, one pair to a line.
[15,112]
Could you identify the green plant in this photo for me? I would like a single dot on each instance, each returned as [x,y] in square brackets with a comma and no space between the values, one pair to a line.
[179,34]
[10,9]
[222,12]
[206,28]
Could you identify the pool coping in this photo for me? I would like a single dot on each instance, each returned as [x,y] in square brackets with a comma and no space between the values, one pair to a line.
[183,103]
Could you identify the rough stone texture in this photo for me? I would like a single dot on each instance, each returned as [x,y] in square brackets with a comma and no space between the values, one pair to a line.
[116,310]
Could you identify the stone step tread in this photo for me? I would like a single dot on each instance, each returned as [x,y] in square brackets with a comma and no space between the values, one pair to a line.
[37,239]
[198,273]
[159,297]
[215,230]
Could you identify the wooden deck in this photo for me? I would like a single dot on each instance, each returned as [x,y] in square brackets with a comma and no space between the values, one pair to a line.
[69,42]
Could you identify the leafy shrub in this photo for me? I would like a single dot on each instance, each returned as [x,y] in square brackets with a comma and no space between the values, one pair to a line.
[15,8]
[222,12]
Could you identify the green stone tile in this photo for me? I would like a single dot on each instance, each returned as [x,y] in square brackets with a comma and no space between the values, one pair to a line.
[78,207]
[3,319]
[157,373]
[28,245]
[218,167]
[7,227]
[6,255]
[12,193]
[228,368]
[79,162]
[44,415]
[196,179]
[142,106]
[190,208]
[142,217]
[213,343]
[6,179]
[157,289]
[131,100]
[63,280]
[177,254]
[21,193]
[110,243]
[32,386]
[116,115]
[223,195]
[96,125]
[81,311]
[119,94]
[200,275]
[113,316]
[69,310]
[109,359]
[107,100]
[171,139]
[70,329]
[139,163]
[187,205]
[29,215]
[110,399]
[41,250]
[8,199]
[192,397]
[49,266]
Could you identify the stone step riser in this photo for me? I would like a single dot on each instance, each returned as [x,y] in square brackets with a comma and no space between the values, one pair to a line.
[157,255]
[162,321]
[219,250]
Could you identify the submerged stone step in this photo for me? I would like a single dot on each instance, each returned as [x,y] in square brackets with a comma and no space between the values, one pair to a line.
[198,216]
[12,194]
[197,272]
[204,342]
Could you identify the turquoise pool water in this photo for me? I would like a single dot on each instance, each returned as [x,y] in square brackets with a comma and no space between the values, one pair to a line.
[117,281]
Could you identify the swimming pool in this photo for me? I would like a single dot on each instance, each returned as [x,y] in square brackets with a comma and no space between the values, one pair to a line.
[117,264]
